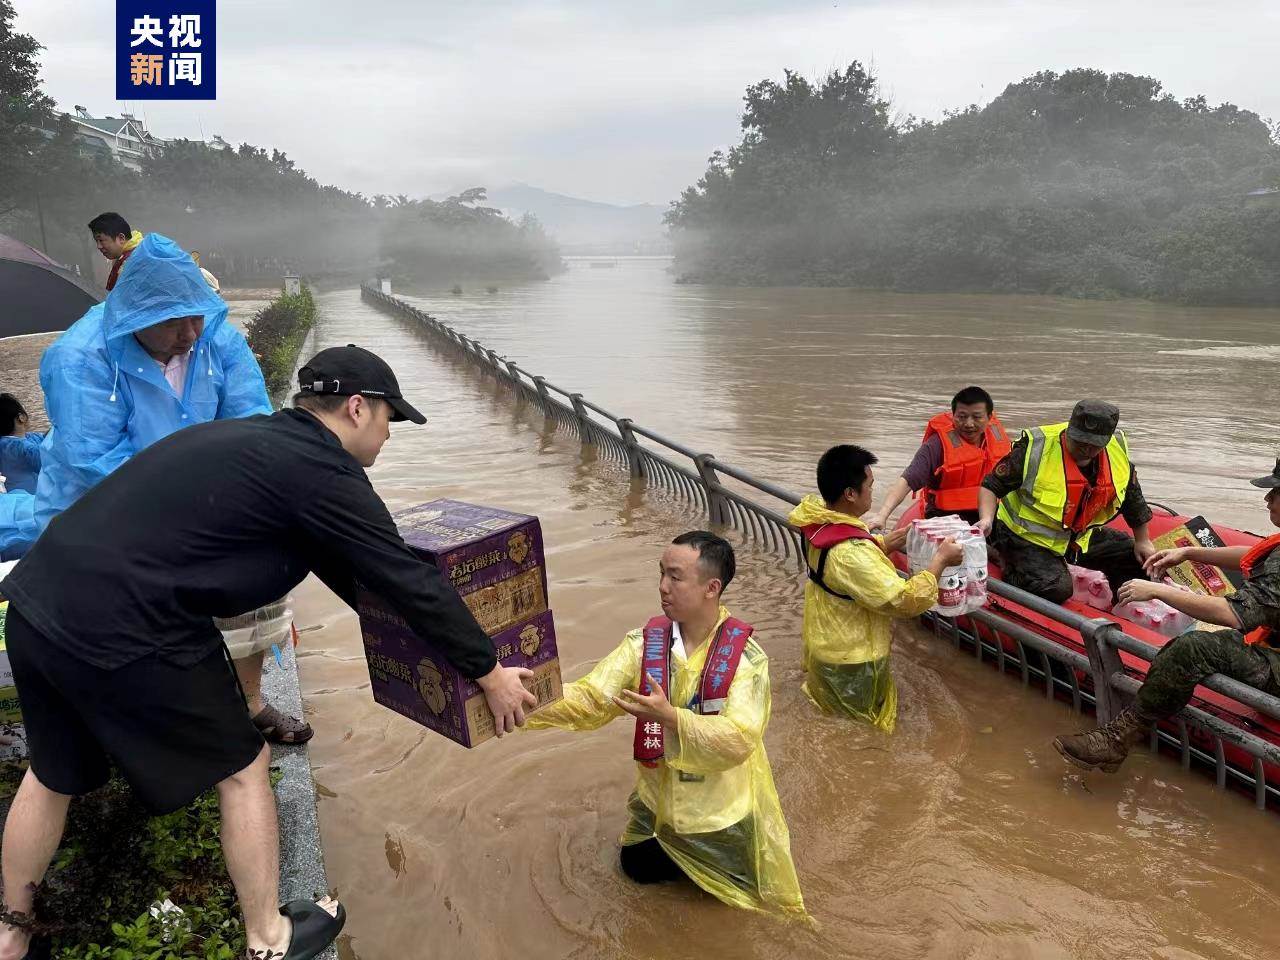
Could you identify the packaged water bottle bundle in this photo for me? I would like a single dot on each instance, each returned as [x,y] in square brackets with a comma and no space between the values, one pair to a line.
[1092,589]
[961,588]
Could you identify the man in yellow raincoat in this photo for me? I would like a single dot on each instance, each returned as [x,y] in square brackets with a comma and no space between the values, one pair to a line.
[854,591]
[704,805]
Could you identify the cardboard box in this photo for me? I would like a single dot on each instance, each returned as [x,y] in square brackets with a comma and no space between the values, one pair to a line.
[493,558]
[1202,578]
[13,736]
[413,678]
[495,561]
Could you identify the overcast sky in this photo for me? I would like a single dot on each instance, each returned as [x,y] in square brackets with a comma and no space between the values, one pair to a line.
[620,102]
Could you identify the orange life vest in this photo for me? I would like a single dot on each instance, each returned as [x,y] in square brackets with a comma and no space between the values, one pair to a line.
[1252,560]
[964,465]
[1085,501]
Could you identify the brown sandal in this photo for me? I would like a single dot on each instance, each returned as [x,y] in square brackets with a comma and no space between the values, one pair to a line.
[277,727]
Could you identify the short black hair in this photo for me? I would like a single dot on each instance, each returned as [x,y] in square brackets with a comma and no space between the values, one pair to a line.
[973,395]
[111,225]
[842,467]
[715,554]
[10,409]
[325,402]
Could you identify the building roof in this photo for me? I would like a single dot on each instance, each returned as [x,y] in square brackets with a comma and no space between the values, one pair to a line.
[107,124]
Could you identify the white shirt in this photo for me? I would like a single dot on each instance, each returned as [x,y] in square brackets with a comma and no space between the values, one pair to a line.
[175,371]
[677,641]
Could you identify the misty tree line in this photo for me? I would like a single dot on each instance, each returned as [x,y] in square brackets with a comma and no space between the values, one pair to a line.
[249,211]
[1079,184]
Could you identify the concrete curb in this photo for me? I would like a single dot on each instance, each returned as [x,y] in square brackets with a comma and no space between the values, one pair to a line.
[302,874]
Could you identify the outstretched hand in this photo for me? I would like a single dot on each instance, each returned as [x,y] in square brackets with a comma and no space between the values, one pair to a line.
[895,540]
[507,696]
[651,706]
[1162,560]
[1136,591]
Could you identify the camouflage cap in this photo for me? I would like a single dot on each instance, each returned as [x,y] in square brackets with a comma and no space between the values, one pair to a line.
[1271,480]
[1093,422]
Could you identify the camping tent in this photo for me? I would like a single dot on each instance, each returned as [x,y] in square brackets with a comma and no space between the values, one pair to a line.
[37,294]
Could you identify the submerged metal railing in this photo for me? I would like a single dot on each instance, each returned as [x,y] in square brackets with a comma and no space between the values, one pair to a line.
[1097,677]
[652,459]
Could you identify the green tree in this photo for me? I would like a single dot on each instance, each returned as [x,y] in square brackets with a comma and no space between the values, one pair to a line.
[23,109]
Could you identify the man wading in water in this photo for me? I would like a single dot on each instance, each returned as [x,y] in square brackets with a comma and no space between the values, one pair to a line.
[115,654]
[697,683]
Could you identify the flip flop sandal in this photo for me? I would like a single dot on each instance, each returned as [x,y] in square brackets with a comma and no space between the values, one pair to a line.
[313,928]
[277,727]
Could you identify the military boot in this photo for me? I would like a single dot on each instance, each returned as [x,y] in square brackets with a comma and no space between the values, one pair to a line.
[1106,747]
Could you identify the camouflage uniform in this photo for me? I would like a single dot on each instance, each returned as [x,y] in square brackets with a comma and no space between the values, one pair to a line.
[1187,660]
[1031,567]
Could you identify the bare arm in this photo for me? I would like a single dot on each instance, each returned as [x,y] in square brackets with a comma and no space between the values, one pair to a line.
[987,505]
[1201,607]
[1226,557]
[897,493]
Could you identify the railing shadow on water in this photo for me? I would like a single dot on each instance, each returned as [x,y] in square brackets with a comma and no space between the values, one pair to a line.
[1095,678]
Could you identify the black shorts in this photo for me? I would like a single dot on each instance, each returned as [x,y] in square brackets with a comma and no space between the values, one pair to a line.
[172,732]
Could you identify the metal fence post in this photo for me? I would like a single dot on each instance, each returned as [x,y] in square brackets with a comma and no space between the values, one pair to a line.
[543,398]
[584,421]
[631,445]
[717,506]
[513,371]
[1104,661]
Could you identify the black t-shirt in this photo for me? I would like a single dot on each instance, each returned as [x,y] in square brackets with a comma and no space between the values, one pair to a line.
[217,520]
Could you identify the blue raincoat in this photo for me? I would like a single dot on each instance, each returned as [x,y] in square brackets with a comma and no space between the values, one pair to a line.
[20,461]
[107,398]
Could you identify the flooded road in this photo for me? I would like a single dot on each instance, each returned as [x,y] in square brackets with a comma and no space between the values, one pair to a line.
[963,835]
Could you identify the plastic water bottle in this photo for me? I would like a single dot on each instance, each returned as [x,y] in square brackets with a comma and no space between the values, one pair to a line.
[953,592]
[975,565]
[953,584]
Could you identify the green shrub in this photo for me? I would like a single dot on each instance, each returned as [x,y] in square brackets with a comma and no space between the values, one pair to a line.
[129,886]
[276,334]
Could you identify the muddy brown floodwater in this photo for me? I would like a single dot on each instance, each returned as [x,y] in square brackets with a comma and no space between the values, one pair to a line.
[963,834]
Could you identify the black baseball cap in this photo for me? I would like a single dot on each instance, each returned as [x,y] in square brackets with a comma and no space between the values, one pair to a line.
[1272,480]
[1093,422]
[350,371]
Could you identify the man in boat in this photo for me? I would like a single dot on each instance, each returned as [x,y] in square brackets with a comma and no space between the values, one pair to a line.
[1048,503]
[958,451]
[854,592]
[117,660]
[1248,650]
[697,682]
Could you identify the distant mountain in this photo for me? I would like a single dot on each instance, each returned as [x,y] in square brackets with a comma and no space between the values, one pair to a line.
[586,226]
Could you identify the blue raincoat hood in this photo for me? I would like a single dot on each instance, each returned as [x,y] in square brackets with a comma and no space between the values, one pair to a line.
[108,399]
[160,281]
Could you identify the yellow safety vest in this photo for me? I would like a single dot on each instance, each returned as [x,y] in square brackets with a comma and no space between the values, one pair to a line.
[1034,511]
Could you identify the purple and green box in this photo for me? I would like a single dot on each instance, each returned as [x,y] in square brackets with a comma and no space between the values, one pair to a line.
[495,560]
